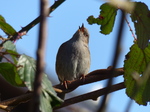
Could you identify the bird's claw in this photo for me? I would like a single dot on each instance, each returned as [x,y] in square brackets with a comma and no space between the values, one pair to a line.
[82,77]
[65,83]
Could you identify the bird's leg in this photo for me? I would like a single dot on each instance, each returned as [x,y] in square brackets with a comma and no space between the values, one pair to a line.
[65,83]
[82,77]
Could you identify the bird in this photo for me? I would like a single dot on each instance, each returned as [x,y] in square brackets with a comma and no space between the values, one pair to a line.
[73,58]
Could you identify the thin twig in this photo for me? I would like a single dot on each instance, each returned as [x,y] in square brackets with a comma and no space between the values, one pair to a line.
[130,29]
[92,95]
[3,39]
[40,55]
[37,20]
[13,102]
[9,60]
[7,53]
[129,105]
[25,29]
[114,62]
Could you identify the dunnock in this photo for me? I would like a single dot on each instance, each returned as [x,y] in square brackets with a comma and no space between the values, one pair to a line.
[73,57]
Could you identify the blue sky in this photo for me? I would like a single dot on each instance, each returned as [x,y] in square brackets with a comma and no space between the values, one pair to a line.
[62,24]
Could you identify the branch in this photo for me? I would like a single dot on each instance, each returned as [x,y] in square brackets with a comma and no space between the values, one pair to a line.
[25,29]
[4,39]
[40,55]
[92,95]
[10,61]
[7,53]
[37,20]
[114,61]
[13,102]
[94,76]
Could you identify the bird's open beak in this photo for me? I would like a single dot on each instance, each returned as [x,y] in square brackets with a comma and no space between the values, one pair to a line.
[81,28]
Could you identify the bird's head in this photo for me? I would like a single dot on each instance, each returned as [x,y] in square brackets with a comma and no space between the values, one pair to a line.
[82,34]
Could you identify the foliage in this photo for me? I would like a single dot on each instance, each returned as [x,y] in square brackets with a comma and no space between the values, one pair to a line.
[138,58]
[136,65]
[27,75]
[137,79]
[106,18]
[141,19]
[19,70]
[8,29]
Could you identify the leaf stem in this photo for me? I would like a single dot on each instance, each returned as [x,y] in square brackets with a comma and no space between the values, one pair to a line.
[130,29]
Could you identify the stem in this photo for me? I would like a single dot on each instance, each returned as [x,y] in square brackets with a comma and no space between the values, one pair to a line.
[93,76]
[37,20]
[130,29]
[92,95]
[114,62]
[40,55]
[25,29]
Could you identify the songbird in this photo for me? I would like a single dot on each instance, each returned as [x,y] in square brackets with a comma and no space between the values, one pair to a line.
[73,57]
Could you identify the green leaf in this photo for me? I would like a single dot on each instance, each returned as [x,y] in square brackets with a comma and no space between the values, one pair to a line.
[48,97]
[8,29]
[108,13]
[27,71]
[14,56]
[27,74]
[106,18]
[141,19]
[91,20]
[9,46]
[137,69]
[45,105]
[47,88]
[8,71]
[10,49]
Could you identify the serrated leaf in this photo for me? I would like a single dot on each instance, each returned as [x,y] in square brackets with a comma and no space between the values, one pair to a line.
[108,13]
[91,20]
[136,68]
[8,29]
[9,46]
[27,71]
[10,49]
[106,18]
[141,19]
[8,71]
[45,106]
[47,87]
[48,102]
[27,74]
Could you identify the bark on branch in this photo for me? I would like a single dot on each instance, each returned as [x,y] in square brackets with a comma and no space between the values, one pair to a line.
[94,76]
[92,95]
